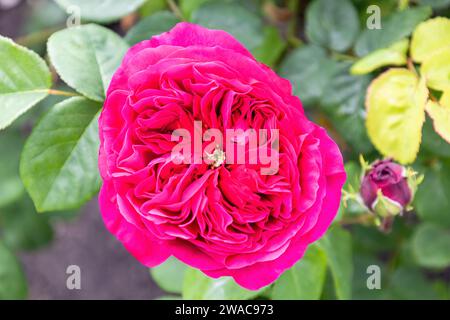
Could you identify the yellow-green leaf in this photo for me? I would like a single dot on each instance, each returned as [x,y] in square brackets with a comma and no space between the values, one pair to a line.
[436,70]
[395,106]
[430,37]
[440,113]
[395,55]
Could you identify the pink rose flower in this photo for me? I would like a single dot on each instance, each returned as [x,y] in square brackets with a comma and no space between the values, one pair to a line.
[224,219]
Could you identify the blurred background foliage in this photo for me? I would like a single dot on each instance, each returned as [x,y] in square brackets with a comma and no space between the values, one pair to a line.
[314,44]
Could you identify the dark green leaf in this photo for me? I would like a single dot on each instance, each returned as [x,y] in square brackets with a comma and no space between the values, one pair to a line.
[23,227]
[410,284]
[152,25]
[304,281]
[432,142]
[272,48]
[13,284]
[343,100]
[310,71]
[233,18]
[332,24]
[11,187]
[337,244]
[432,201]
[438,4]
[431,246]
[59,161]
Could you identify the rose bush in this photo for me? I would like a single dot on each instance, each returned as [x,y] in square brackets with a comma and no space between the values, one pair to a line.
[228,220]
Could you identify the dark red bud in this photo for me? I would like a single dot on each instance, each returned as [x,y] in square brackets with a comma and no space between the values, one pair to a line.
[389,178]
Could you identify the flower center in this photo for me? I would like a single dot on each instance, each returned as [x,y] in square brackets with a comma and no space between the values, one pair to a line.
[217,157]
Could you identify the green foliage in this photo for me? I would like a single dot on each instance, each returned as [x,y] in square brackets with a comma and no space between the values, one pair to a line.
[305,280]
[86,57]
[152,25]
[343,101]
[237,20]
[431,245]
[13,284]
[11,188]
[169,275]
[332,24]
[395,27]
[337,245]
[310,70]
[24,229]
[271,49]
[59,160]
[197,286]
[102,11]
[436,186]
[24,81]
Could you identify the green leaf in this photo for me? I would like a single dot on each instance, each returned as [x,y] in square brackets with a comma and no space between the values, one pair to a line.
[23,228]
[86,57]
[305,280]
[343,101]
[152,25]
[169,275]
[431,245]
[13,284]
[310,71]
[360,291]
[395,55]
[395,27]
[409,284]
[432,142]
[152,6]
[436,70]
[437,4]
[432,200]
[337,245]
[59,162]
[332,24]
[234,19]
[24,81]
[272,48]
[429,38]
[395,113]
[197,286]
[103,11]
[11,187]
[187,7]
[440,113]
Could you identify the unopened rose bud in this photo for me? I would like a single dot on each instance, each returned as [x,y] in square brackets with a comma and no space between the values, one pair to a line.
[387,188]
